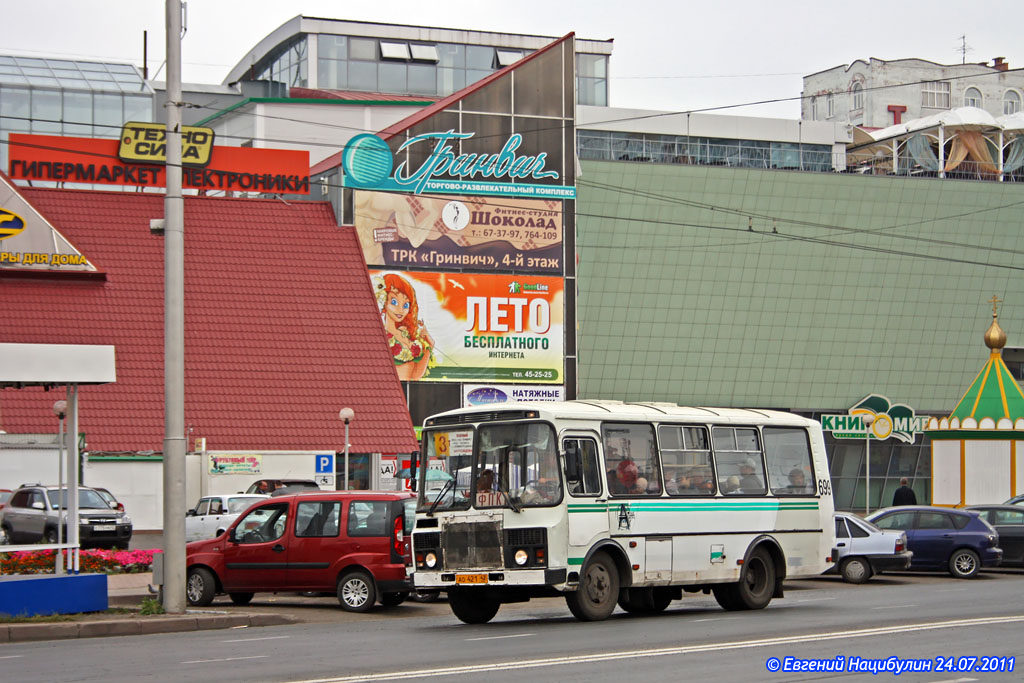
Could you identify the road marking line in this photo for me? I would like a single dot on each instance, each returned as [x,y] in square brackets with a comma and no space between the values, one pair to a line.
[893,606]
[815,600]
[956,680]
[249,640]
[227,659]
[517,635]
[661,652]
[11,656]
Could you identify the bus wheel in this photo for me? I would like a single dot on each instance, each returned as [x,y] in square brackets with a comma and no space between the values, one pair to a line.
[472,607]
[596,596]
[755,587]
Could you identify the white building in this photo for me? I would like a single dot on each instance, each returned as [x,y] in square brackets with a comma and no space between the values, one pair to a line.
[879,93]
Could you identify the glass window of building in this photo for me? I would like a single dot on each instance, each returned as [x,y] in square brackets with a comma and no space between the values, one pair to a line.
[830,106]
[935,95]
[972,98]
[1011,102]
[858,96]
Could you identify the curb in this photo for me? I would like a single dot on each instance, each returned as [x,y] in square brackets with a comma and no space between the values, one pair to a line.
[19,633]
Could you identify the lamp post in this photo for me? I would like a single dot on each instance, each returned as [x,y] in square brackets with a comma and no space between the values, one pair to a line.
[868,420]
[346,415]
[60,409]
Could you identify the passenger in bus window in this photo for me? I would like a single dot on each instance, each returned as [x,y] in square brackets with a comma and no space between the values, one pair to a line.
[730,485]
[798,482]
[485,482]
[750,482]
[700,482]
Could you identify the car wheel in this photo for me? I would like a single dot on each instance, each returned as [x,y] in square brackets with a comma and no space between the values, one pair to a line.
[472,606]
[598,591]
[5,536]
[964,564]
[356,591]
[241,598]
[855,570]
[200,587]
[50,535]
[392,599]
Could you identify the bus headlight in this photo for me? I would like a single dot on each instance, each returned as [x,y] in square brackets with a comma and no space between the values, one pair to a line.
[522,557]
[431,560]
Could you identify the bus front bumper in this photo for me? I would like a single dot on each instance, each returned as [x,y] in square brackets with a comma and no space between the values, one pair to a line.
[485,577]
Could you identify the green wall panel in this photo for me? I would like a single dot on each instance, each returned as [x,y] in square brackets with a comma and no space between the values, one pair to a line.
[804,291]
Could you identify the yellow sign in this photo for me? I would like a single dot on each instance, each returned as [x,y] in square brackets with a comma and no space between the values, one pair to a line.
[146,143]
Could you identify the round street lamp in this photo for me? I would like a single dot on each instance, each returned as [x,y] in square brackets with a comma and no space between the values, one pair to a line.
[60,409]
[346,415]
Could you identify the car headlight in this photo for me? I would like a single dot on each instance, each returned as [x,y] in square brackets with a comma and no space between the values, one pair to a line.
[522,557]
[126,520]
[431,560]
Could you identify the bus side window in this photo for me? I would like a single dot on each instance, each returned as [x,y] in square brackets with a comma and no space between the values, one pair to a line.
[587,473]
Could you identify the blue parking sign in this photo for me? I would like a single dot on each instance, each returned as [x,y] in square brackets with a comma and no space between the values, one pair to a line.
[325,464]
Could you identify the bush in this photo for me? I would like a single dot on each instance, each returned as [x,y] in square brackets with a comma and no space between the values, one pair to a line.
[90,561]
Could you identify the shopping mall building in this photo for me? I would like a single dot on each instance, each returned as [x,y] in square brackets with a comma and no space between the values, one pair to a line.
[486,227]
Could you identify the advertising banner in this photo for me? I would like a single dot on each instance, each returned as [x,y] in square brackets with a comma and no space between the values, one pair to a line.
[235,464]
[456,327]
[400,230]
[482,394]
[88,160]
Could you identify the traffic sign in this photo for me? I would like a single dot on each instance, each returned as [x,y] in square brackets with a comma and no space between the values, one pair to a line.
[325,463]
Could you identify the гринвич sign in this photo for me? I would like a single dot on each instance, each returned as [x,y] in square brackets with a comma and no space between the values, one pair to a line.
[87,160]
[367,162]
[894,420]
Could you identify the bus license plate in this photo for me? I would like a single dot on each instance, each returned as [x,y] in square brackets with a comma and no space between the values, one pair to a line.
[471,578]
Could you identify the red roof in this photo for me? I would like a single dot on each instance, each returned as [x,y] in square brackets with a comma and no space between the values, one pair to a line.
[357,96]
[281,327]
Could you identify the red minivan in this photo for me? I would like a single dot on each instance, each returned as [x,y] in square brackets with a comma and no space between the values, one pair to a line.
[353,543]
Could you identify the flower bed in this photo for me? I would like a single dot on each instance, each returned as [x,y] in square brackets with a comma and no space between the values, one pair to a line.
[90,561]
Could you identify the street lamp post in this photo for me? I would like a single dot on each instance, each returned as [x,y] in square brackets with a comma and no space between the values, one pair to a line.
[60,409]
[346,415]
[868,420]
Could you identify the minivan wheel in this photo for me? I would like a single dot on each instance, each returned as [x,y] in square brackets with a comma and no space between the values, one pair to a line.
[964,564]
[5,536]
[392,599]
[356,591]
[241,598]
[855,570]
[200,587]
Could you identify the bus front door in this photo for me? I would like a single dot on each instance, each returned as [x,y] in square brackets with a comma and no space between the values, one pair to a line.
[587,499]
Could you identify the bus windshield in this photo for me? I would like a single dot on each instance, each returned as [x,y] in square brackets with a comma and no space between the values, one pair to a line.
[511,465]
[518,462]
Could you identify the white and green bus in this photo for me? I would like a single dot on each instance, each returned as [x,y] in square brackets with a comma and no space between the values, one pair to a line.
[611,503]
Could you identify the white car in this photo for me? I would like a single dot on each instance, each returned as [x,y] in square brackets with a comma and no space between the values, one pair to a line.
[212,515]
[864,549]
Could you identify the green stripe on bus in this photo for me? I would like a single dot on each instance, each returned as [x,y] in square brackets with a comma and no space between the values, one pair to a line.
[575,560]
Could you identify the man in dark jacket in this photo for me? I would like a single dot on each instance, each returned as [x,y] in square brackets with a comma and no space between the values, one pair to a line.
[904,494]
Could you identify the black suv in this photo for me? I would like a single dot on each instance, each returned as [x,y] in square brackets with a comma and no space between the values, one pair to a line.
[31,516]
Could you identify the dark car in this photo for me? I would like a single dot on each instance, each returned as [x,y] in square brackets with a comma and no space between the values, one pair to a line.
[1016,500]
[958,541]
[268,486]
[34,513]
[354,544]
[1008,521]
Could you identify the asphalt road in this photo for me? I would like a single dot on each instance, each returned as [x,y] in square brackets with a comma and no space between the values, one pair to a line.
[906,616]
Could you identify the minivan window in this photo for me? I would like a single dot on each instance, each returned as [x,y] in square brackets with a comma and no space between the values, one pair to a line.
[265,523]
[317,519]
[368,518]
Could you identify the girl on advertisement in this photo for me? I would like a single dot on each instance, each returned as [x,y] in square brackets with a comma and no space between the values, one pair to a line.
[411,345]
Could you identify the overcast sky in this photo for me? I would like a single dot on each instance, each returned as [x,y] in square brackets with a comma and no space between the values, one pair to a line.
[668,55]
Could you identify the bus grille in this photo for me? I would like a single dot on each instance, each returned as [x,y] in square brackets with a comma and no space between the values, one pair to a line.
[518,537]
[472,544]
[428,541]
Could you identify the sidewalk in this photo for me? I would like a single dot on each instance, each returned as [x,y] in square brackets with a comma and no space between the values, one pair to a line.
[128,591]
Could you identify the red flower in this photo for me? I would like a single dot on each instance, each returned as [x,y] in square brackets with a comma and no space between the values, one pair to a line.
[415,349]
[396,349]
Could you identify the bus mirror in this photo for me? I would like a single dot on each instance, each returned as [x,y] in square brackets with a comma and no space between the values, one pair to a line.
[572,461]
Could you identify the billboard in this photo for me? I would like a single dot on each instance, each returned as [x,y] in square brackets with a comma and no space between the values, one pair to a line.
[407,230]
[468,327]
